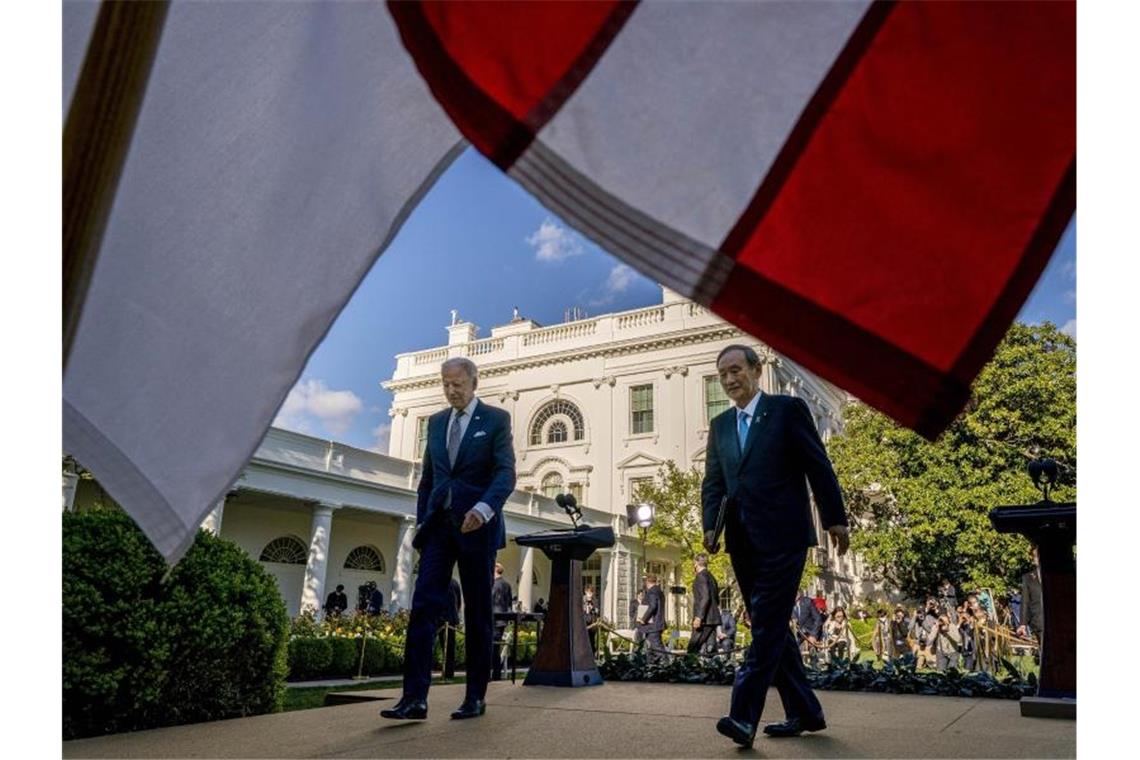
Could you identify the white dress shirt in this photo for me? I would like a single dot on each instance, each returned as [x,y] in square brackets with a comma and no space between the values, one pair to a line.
[482,508]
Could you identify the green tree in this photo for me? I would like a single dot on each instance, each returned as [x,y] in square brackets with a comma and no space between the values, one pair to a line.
[924,507]
[677,498]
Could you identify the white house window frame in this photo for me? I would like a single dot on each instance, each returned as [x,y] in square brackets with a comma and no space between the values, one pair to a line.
[557,410]
[646,409]
[285,550]
[361,558]
[713,382]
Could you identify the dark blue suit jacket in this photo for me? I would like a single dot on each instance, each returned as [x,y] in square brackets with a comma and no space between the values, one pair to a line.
[769,509]
[484,471]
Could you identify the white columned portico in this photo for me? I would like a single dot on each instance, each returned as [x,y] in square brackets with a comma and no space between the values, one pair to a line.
[526,577]
[402,579]
[213,521]
[312,593]
[605,594]
[70,484]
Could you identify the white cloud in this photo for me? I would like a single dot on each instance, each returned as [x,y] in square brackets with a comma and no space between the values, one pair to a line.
[381,433]
[552,242]
[311,401]
[1070,329]
[619,280]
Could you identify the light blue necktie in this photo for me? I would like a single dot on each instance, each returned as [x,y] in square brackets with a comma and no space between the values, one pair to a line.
[742,429]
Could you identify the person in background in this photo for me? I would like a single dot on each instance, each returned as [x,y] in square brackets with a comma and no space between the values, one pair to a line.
[947,594]
[375,600]
[590,613]
[881,642]
[501,598]
[706,612]
[726,633]
[945,644]
[900,644]
[635,605]
[337,602]
[809,627]
[838,638]
[653,622]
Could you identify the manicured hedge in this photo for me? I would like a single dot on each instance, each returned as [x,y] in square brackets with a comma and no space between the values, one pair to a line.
[140,652]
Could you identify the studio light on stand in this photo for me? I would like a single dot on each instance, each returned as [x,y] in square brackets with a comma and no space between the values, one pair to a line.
[642,516]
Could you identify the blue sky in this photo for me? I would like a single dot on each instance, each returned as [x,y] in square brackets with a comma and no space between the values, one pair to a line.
[480,244]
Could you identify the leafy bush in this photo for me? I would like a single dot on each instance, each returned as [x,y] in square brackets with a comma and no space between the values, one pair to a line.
[899,677]
[208,643]
[345,656]
[309,657]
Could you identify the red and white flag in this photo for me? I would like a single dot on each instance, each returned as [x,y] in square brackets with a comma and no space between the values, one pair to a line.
[872,189]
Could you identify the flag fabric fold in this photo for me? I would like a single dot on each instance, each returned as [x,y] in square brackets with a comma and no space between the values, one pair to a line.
[277,151]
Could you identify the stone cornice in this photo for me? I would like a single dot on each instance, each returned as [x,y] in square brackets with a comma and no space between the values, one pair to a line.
[618,348]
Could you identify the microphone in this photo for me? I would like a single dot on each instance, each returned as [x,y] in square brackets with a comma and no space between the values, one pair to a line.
[570,506]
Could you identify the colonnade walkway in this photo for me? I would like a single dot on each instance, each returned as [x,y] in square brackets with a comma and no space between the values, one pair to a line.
[623,720]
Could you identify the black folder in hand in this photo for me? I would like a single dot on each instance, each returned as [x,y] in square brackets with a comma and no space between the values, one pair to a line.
[718,527]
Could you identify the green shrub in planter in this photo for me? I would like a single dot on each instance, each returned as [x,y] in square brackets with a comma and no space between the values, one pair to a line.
[209,643]
[345,657]
[309,657]
[375,656]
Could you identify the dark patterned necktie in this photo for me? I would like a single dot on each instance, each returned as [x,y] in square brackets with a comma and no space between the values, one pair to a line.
[453,437]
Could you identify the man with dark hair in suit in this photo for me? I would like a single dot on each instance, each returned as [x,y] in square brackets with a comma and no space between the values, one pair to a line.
[337,602]
[653,622]
[468,473]
[501,601]
[809,625]
[762,453]
[706,611]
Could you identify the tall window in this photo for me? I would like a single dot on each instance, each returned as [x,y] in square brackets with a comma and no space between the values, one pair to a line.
[557,412]
[715,399]
[641,409]
[556,433]
[421,437]
[636,484]
[551,484]
[576,492]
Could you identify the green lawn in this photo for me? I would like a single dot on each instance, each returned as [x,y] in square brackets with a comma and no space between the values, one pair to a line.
[306,698]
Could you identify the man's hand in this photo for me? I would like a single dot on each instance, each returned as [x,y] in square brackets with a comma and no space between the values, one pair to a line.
[840,538]
[710,547]
[696,624]
[471,521]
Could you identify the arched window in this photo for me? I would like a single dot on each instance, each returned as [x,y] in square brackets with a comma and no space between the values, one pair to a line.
[556,433]
[561,408]
[364,558]
[551,484]
[287,550]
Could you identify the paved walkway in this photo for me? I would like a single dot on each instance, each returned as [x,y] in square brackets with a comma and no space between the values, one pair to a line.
[623,720]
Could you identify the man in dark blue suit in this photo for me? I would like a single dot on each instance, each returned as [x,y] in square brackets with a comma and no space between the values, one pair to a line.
[468,472]
[762,453]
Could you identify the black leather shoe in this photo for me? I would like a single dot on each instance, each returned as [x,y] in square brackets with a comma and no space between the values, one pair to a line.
[471,708]
[407,709]
[740,732]
[795,726]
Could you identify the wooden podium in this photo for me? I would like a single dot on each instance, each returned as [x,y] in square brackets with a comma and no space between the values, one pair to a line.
[1052,528]
[564,657]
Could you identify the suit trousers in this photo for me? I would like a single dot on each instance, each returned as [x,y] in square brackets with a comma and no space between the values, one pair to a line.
[655,650]
[769,581]
[703,640]
[438,557]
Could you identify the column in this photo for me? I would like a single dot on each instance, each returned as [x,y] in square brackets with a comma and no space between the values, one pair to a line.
[401,596]
[213,521]
[526,575]
[70,485]
[606,592]
[312,593]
